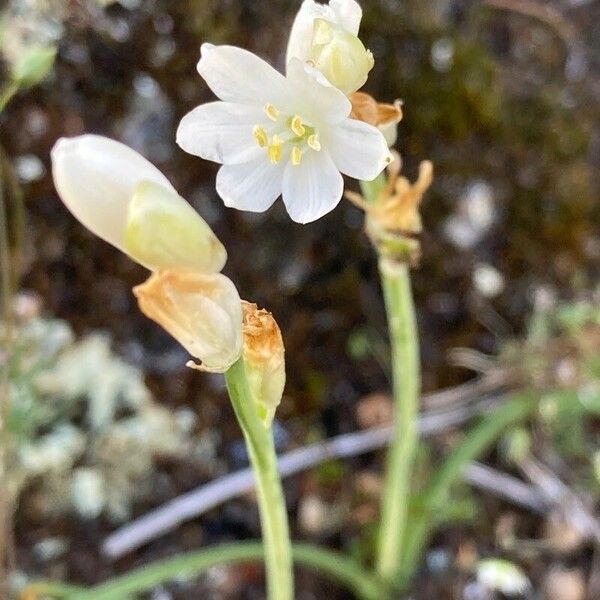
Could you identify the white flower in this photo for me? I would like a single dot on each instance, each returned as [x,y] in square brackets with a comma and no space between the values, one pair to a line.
[327,36]
[279,135]
[125,200]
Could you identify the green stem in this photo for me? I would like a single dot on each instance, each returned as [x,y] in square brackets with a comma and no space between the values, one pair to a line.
[395,277]
[333,564]
[271,501]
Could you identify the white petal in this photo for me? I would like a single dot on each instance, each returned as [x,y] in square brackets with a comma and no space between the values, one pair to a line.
[315,98]
[252,186]
[348,14]
[313,188]
[236,75]
[221,132]
[358,149]
[95,178]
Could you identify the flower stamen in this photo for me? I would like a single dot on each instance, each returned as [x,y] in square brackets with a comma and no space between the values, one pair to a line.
[272,112]
[261,136]
[275,150]
[314,143]
[297,126]
[296,156]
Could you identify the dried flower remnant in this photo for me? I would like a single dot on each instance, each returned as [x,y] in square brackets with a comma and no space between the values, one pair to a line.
[397,207]
[383,116]
[202,312]
[393,218]
[264,358]
[275,135]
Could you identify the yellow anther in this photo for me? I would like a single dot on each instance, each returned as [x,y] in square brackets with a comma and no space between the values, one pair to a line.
[275,150]
[271,112]
[297,127]
[296,156]
[314,143]
[261,136]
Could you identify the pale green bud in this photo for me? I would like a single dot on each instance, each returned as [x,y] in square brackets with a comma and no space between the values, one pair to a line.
[264,360]
[163,232]
[340,56]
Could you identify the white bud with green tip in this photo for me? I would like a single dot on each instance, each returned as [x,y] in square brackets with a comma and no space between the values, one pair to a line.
[164,232]
[125,200]
[327,36]
[340,56]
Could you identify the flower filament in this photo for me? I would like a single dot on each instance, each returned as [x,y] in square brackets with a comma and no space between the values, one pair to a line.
[286,136]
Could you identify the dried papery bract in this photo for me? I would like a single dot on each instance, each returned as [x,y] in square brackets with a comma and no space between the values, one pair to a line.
[383,116]
[202,312]
[393,218]
[264,359]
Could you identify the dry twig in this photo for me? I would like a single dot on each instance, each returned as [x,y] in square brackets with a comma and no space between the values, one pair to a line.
[207,497]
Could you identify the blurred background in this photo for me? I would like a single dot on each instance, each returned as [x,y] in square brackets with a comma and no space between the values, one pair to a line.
[105,422]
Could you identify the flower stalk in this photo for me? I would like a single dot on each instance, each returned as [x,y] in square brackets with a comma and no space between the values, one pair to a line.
[406,372]
[271,501]
[392,224]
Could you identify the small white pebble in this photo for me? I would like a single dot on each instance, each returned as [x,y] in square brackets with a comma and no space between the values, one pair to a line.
[488,281]
[29,168]
[87,491]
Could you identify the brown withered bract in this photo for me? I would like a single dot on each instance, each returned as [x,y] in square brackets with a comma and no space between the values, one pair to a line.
[366,108]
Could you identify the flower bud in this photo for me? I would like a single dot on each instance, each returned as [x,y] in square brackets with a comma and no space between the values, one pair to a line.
[125,200]
[202,312]
[346,14]
[264,360]
[340,56]
[164,232]
[96,177]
